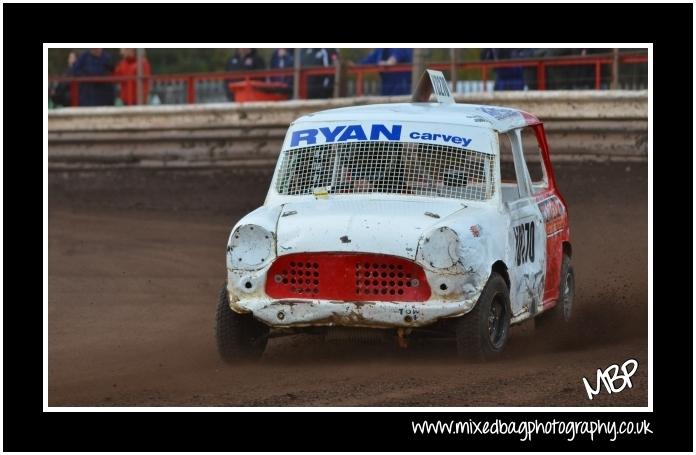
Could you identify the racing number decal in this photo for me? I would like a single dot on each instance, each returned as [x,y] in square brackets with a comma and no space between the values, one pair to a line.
[524,242]
[440,85]
[435,83]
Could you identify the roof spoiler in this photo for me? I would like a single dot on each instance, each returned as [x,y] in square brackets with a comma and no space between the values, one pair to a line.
[433,82]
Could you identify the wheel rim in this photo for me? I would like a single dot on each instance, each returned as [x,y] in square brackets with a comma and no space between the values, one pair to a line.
[496,322]
[568,292]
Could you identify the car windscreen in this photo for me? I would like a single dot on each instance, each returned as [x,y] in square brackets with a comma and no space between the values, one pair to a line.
[389,168]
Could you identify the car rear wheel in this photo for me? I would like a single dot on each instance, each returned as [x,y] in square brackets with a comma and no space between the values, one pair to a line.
[483,332]
[239,336]
[558,316]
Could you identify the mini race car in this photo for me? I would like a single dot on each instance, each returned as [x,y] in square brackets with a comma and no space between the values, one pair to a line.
[422,217]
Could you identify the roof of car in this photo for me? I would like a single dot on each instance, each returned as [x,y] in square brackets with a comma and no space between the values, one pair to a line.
[498,118]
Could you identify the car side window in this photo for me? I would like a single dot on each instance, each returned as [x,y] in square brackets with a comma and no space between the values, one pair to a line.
[514,182]
[508,177]
[532,158]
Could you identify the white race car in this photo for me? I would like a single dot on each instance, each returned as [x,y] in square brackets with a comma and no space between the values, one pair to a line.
[403,218]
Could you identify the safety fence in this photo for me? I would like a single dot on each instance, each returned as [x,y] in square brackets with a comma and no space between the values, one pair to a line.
[574,72]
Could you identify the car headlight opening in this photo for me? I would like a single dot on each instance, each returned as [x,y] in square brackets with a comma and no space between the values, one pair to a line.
[440,248]
[250,247]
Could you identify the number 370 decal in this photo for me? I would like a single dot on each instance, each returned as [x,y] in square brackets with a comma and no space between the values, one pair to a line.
[524,242]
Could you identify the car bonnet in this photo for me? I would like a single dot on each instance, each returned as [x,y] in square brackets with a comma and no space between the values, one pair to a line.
[391,227]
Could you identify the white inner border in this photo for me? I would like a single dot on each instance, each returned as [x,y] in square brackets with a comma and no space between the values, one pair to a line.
[47,408]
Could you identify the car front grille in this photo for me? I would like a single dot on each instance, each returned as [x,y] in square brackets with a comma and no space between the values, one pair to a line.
[347,277]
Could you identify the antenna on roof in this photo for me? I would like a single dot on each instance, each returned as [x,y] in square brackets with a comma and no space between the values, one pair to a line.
[433,82]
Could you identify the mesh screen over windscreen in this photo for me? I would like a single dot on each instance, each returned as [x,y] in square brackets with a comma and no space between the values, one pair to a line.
[388,168]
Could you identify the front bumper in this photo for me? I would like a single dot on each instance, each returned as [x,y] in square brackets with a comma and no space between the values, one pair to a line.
[336,289]
[305,313]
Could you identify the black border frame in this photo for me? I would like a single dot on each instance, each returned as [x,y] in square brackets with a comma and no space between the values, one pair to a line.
[26,427]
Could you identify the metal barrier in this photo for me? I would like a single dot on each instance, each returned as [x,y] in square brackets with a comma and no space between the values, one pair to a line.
[192,88]
[580,125]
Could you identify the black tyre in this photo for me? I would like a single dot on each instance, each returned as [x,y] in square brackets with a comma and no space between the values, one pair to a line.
[558,316]
[239,336]
[483,332]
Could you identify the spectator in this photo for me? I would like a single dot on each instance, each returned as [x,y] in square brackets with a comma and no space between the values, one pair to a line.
[283,58]
[95,62]
[319,86]
[128,66]
[392,83]
[509,78]
[60,94]
[243,60]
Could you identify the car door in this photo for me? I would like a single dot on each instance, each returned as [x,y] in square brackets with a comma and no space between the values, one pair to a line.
[550,205]
[526,249]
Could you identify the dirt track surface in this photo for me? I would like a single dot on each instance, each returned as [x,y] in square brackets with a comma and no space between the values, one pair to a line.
[136,259]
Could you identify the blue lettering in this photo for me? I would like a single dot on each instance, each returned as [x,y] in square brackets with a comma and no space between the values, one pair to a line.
[393,135]
[309,136]
[440,137]
[353,132]
[331,135]
[378,131]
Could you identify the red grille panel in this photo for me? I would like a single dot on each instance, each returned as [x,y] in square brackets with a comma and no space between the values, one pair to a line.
[351,277]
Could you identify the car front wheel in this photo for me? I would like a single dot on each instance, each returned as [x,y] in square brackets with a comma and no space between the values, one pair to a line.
[483,332]
[239,336]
